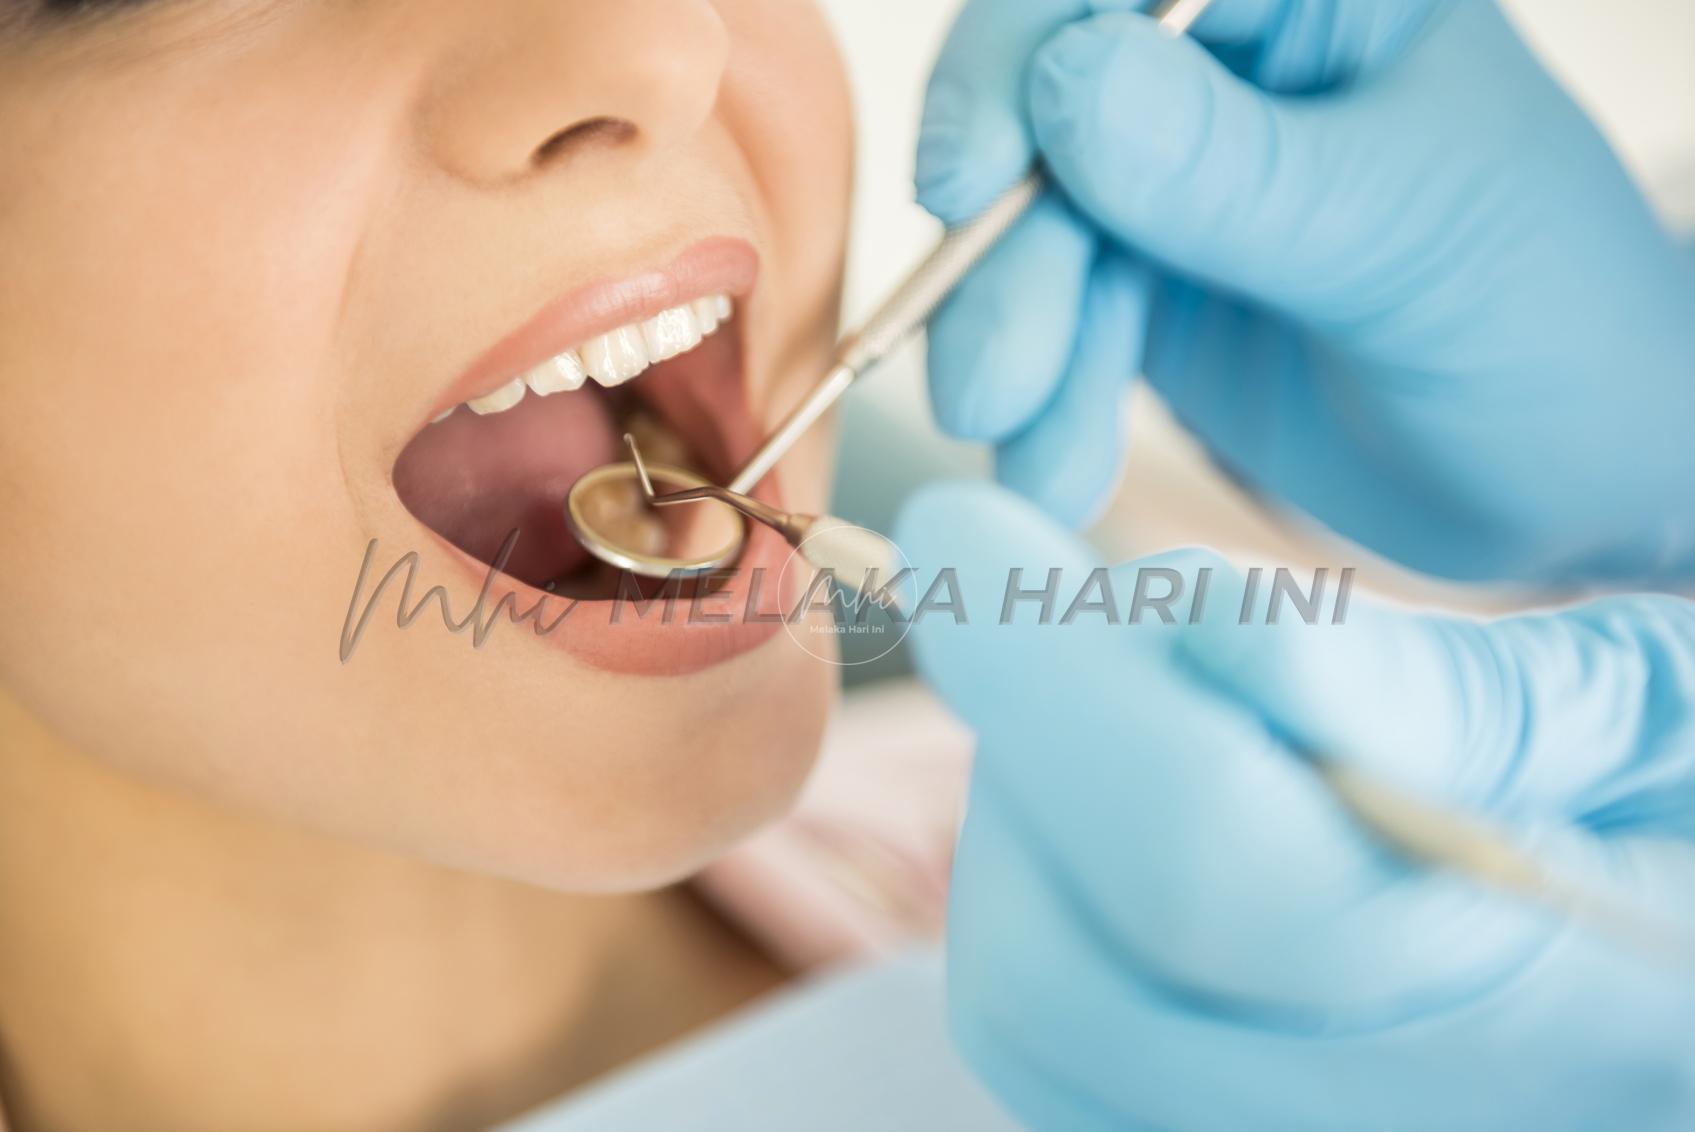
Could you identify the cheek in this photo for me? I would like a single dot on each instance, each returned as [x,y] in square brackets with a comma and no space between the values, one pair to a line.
[787,81]
[170,355]
[786,98]
[170,271]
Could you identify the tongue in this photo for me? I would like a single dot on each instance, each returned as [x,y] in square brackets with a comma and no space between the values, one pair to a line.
[474,480]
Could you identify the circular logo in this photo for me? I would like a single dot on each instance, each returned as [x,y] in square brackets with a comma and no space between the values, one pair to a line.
[853,574]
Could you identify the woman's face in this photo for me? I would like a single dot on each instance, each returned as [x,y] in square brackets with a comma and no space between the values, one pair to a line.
[249,249]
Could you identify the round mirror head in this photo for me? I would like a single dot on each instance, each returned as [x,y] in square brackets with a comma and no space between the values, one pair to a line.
[609,514]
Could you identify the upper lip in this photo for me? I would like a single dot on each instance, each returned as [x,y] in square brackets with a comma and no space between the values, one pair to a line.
[717,265]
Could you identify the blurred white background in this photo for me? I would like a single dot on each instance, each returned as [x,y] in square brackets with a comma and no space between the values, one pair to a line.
[1630,62]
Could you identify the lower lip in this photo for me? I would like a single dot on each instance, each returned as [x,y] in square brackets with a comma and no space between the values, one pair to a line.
[672,636]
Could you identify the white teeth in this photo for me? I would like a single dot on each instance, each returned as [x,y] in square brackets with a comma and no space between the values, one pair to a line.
[562,374]
[613,358]
[671,333]
[500,400]
[443,416]
[706,314]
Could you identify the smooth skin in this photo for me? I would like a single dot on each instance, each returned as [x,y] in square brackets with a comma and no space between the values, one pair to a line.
[244,247]
[1370,253]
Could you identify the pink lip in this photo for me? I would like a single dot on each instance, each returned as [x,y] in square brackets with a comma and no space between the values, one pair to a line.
[717,265]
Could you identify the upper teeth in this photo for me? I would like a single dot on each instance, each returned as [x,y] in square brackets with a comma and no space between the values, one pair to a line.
[612,358]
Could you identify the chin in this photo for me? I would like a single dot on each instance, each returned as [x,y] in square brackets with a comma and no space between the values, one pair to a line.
[647,793]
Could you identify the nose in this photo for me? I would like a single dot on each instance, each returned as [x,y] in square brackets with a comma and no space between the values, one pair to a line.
[528,83]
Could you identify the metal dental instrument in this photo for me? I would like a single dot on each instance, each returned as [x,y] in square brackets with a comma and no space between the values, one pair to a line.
[855,556]
[907,309]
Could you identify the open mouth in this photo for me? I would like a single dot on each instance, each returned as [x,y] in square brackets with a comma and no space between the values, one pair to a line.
[659,357]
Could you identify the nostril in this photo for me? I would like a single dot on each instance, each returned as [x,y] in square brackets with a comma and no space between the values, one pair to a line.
[609,132]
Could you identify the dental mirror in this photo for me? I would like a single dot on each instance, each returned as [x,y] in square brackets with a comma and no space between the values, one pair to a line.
[600,504]
[608,513]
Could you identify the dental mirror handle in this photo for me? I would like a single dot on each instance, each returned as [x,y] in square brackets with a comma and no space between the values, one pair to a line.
[901,314]
[918,296]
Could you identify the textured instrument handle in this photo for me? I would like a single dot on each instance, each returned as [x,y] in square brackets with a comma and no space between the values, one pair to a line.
[916,299]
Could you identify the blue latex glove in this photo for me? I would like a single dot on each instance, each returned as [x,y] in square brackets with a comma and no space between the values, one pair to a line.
[1161,919]
[1370,253]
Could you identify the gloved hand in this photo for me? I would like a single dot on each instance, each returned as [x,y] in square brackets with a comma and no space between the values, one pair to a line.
[1369,252]
[1160,919]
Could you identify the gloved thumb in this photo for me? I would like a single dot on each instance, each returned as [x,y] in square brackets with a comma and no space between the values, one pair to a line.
[1168,151]
[1553,715]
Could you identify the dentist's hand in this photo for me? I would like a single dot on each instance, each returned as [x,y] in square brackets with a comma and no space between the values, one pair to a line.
[1369,252]
[1162,920]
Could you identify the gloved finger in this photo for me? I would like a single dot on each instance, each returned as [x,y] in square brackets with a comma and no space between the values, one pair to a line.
[1068,460]
[1237,377]
[975,141]
[1060,1017]
[1307,46]
[1159,143]
[1584,713]
[1000,344]
[1208,845]
[1280,414]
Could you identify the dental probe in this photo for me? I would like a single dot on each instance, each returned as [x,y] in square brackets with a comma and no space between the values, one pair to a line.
[901,315]
[848,552]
